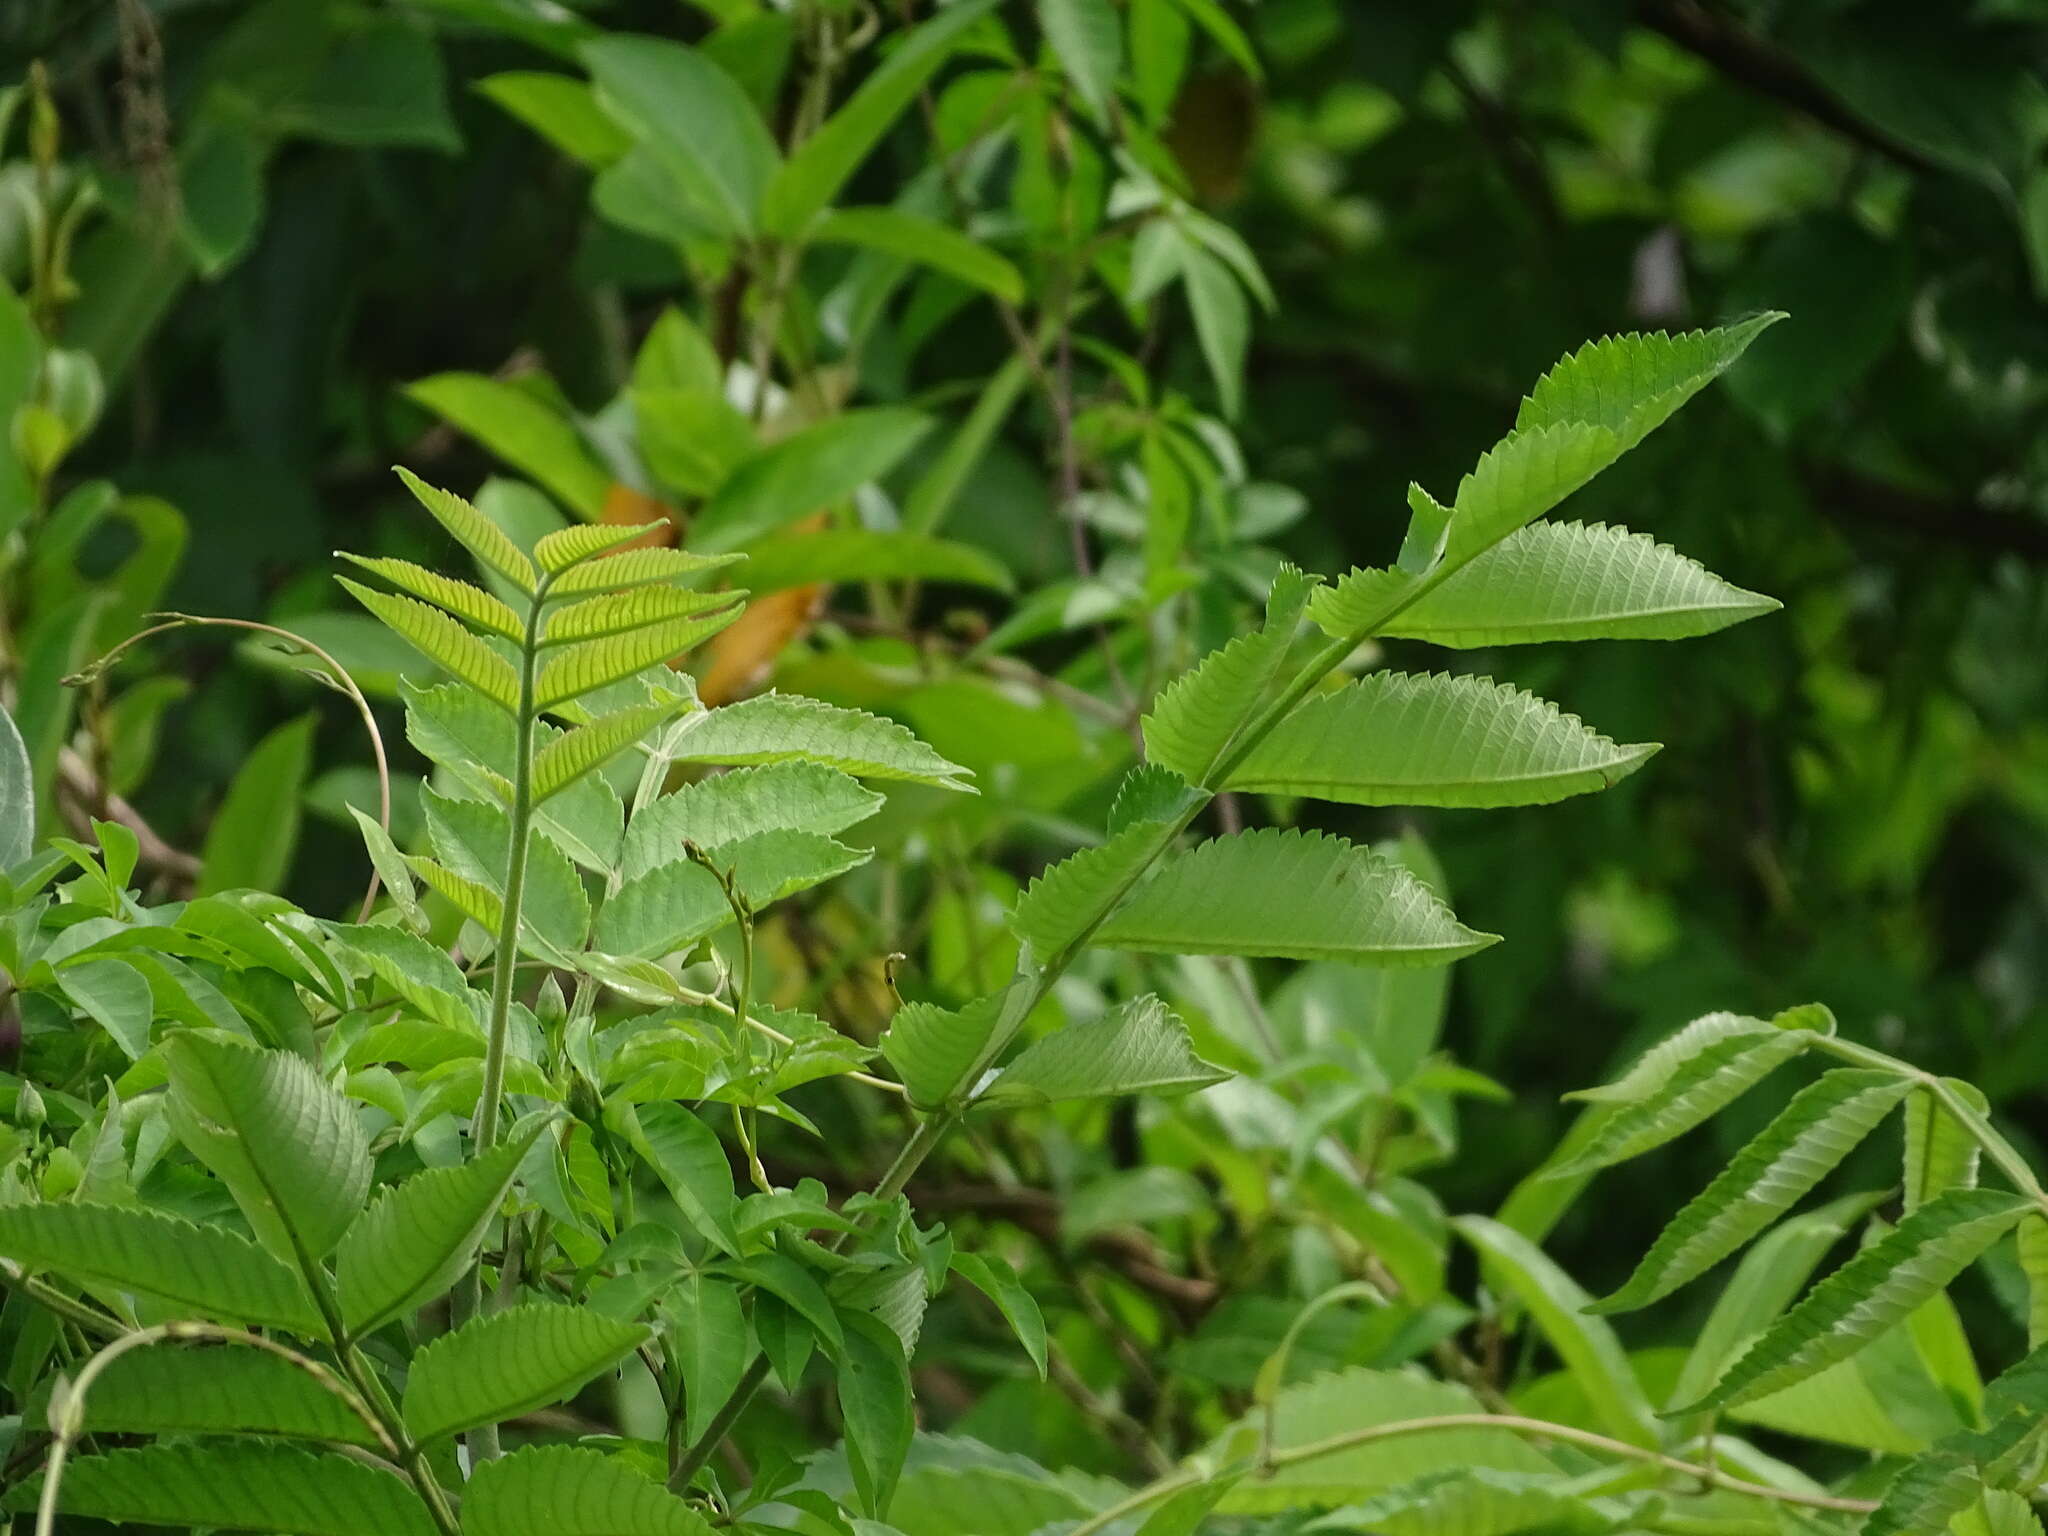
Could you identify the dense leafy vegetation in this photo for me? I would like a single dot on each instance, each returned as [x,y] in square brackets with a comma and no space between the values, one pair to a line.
[827,929]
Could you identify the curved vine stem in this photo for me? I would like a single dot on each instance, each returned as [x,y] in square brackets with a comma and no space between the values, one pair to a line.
[335,671]
[1540,1429]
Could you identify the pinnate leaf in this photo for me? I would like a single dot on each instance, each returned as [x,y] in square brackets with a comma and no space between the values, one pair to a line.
[587,748]
[780,728]
[934,1048]
[476,533]
[563,1490]
[466,602]
[1065,902]
[1140,1047]
[170,1391]
[1196,719]
[558,551]
[504,1364]
[620,613]
[636,568]
[779,797]
[1631,384]
[592,664]
[440,639]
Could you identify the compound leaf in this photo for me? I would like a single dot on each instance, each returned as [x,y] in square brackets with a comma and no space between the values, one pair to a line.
[1140,1047]
[780,728]
[564,1490]
[504,1364]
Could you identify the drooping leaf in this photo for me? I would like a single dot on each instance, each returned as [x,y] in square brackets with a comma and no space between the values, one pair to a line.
[2032,1239]
[114,996]
[781,728]
[686,1156]
[874,1403]
[933,1048]
[474,532]
[1140,1047]
[471,604]
[709,1335]
[441,640]
[474,840]
[213,1272]
[999,1283]
[503,1364]
[1575,581]
[1940,1153]
[780,797]
[217,1391]
[563,1490]
[252,1486]
[289,1148]
[1559,1305]
[1223,319]
[1821,1126]
[1398,739]
[1874,1291]
[1196,719]
[419,1236]
[1297,895]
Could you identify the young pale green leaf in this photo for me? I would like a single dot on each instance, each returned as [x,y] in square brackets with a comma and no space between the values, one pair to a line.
[686,1156]
[556,552]
[805,472]
[1701,1085]
[1939,1153]
[418,1237]
[696,117]
[1196,719]
[525,431]
[1574,581]
[289,1148]
[1295,895]
[503,1364]
[17,795]
[587,748]
[913,237]
[1061,906]
[780,797]
[1397,739]
[440,639]
[1632,384]
[1140,1047]
[207,1270]
[564,1490]
[999,1283]
[631,568]
[781,728]
[1824,1123]
[845,554]
[874,1404]
[621,613]
[1087,38]
[466,602]
[592,664]
[1559,1305]
[252,1486]
[812,176]
[1876,1290]
[220,1392]
[484,539]
[933,1048]
[709,1334]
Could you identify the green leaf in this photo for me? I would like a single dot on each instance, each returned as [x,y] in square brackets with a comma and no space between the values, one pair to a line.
[847,554]
[2032,1239]
[1558,1304]
[1632,384]
[711,1349]
[232,1391]
[1393,738]
[253,834]
[999,1283]
[289,1148]
[211,1272]
[562,110]
[1940,1153]
[686,1156]
[811,178]
[116,997]
[440,639]
[1824,1123]
[637,568]
[17,796]
[1087,38]
[662,912]
[1297,895]
[1701,1085]
[874,1402]
[561,1490]
[1196,719]
[504,1364]
[621,613]
[416,971]
[1183,1514]
[1520,479]
[592,664]
[1060,907]
[466,602]
[812,469]
[1574,581]
[391,869]
[419,1236]
[470,528]
[782,728]
[526,433]
[692,439]
[913,237]
[1222,322]
[932,1048]
[1476,1502]
[246,1487]
[695,117]
[1876,1290]
[474,840]
[589,747]
[780,797]
[566,547]
[1140,1047]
